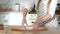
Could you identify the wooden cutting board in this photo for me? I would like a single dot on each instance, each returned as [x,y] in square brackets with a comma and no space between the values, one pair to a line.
[22,29]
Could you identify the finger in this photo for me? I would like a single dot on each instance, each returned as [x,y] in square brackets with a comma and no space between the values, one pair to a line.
[35,27]
[22,24]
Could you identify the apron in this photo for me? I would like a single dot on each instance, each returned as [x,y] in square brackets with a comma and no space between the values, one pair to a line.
[42,11]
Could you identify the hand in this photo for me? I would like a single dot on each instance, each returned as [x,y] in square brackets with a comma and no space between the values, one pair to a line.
[36,25]
[24,22]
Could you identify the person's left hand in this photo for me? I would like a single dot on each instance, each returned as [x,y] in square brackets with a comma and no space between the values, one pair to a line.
[36,25]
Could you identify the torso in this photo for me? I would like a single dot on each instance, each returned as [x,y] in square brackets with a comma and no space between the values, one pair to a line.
[43,11]
[42,8]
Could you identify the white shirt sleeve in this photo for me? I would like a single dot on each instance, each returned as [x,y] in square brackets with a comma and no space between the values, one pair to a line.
[52,8]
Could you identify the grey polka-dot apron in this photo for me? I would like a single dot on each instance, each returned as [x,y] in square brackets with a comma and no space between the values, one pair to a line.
[42,11]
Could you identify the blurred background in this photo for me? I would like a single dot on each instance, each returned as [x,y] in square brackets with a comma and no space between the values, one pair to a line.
[11,12]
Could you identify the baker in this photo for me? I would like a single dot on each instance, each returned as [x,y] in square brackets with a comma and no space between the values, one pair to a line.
[45,11]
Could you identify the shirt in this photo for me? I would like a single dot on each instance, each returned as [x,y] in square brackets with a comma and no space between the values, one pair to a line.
[29,3]
[52,6]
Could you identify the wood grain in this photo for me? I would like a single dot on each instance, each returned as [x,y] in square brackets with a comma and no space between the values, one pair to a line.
[39,29]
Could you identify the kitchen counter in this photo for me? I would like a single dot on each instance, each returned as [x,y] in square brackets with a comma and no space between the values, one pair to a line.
[2,32]
[58,15]
[50,30]
[57,12]
[6,11]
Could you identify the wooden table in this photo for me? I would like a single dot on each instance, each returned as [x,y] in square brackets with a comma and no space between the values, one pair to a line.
[51,30]
[15,30]
[1,31]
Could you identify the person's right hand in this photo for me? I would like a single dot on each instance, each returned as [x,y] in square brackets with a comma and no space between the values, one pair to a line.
[24,21]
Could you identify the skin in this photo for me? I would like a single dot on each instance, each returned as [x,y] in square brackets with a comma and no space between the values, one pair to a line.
[38,21]
[24,16]
[36,24]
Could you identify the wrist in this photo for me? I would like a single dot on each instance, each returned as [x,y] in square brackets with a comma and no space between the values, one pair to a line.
[38,21]
[24,17]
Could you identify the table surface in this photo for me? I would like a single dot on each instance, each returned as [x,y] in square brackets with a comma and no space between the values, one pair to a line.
[49,31]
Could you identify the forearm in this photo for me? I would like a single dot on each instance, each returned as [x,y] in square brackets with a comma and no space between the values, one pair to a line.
[25,13]
[46,17]
[51,11]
